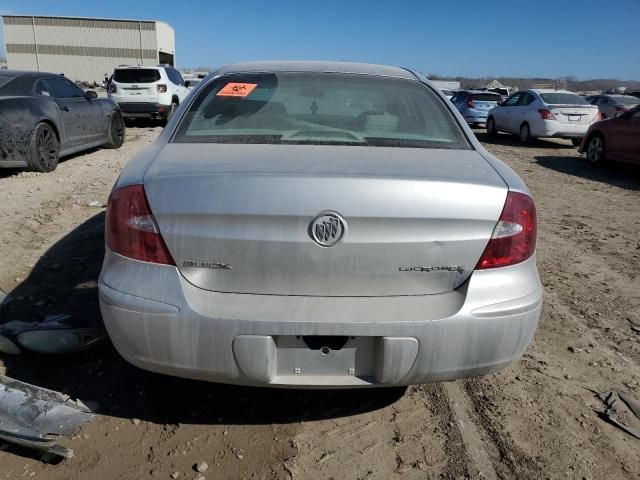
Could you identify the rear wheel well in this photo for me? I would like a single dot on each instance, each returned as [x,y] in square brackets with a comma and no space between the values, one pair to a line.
[52,125]
[595,133]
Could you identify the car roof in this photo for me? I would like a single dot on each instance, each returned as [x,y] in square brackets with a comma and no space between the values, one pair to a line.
[26,74]
[146,67]
[23,82]
[550,90]
[316,66]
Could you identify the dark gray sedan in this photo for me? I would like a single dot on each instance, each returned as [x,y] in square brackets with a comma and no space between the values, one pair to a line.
[44,116]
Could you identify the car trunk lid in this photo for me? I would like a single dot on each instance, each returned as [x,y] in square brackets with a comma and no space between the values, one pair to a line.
[136,84]
[238,218]
[574,114]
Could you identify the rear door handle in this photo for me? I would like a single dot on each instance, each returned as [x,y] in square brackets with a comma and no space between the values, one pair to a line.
[65,108]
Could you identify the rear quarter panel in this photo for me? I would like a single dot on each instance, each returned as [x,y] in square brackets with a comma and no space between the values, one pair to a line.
[20,115]
[107,108]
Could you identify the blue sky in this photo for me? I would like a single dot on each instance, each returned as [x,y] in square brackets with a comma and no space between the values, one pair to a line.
[586,39]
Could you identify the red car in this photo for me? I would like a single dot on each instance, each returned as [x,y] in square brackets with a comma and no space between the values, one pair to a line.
[614,138]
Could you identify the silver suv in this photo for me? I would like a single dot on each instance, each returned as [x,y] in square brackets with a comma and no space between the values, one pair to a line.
[147,92]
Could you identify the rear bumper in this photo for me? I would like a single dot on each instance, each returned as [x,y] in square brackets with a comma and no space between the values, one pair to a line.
[167,325]
[554,129]
[144,110]
[475,116]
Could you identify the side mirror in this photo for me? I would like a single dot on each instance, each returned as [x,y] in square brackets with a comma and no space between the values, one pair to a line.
[89,94]
[187,83]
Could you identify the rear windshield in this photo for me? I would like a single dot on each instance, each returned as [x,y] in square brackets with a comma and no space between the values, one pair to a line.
[563,99]
[136,75]
[320,109]
[485,97]
[623,99]
[4,79]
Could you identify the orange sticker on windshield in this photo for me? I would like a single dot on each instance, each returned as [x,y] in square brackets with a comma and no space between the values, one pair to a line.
[236,89]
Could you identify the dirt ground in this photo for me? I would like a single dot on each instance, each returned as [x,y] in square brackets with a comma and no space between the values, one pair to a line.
[537,419]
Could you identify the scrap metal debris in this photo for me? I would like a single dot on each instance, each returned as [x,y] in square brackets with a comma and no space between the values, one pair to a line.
[621,410]
[54,334]
[35,417]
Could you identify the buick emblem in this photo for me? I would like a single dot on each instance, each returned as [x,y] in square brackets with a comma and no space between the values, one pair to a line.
[327,229]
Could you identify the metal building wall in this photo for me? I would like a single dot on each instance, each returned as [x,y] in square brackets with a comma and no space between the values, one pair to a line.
[81,48]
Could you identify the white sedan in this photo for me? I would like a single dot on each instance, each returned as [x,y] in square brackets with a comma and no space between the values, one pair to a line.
[543,113]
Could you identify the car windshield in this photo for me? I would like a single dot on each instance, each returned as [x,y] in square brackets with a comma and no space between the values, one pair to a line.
[485,97]
[563,99]
[4,79]
[625,100]
[320,108]
[136,75]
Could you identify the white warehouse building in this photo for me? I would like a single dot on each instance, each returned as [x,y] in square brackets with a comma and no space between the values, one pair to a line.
[85,49]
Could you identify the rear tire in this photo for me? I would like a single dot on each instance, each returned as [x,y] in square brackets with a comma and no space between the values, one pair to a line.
[117,131]
[491,127]
[174,107]
[44,149]
[525,134]
[576,142]
[596,150]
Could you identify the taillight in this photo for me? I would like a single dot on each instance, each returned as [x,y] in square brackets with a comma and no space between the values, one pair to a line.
[621,109]
[546,114]
[470,103]
[161,87]
[131,230]
[599,116]
[112,88]
[514,237]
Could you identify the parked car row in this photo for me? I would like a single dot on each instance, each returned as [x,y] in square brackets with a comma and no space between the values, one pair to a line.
[605,127]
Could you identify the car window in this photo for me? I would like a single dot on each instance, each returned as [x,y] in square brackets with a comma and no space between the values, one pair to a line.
[320,109]
[560,98]
[626,100]
[41,88]
[512,100]
[485,97]
[526,99]
[174,76]
[5,79]
[60,87]
[136,75]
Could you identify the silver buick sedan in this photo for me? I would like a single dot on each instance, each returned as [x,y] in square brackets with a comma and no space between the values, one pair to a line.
[311,224]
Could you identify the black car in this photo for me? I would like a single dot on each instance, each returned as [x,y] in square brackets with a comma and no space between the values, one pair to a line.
[44,116]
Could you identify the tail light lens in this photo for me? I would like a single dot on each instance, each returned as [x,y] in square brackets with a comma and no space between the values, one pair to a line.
[470,103]
[161,87]
[599,116]
[131,230]
[514,236]
[112,88]
[546,114]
